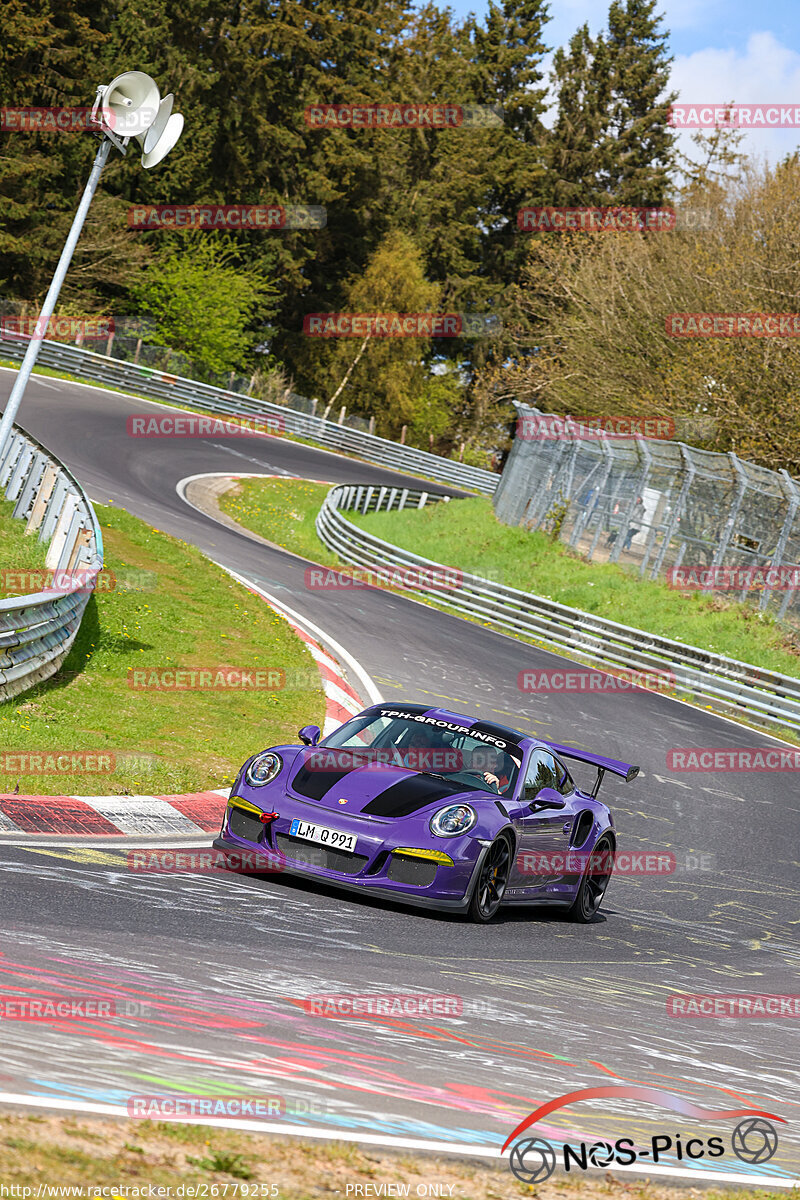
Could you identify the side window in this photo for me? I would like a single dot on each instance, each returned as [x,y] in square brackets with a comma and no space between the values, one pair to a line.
[541,773]
[565,784]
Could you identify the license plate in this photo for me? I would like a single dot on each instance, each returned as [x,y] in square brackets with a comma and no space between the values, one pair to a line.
[322,835]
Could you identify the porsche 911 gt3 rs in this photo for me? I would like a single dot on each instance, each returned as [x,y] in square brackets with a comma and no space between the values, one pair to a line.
[433,808]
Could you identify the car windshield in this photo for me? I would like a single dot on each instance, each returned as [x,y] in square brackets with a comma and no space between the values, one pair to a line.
[429,746]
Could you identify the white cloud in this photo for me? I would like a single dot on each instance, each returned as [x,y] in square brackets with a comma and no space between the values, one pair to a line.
[766,72]
[678,16]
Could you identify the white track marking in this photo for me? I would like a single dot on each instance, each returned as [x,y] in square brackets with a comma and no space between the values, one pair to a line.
[343,655]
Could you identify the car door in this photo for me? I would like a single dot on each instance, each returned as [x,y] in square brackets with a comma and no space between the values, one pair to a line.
[542,835]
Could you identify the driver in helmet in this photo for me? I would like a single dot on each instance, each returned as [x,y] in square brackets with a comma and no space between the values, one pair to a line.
[494,769]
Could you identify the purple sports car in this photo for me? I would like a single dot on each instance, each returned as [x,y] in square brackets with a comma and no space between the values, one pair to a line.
[429,807]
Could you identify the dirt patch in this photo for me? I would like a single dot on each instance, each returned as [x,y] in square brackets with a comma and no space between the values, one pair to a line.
[129,1158]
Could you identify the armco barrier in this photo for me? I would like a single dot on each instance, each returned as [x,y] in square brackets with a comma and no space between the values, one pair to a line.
[761,695]
[191,394]
[37,631]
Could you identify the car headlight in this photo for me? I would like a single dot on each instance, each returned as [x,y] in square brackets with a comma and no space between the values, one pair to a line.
[263,769]
[455,819]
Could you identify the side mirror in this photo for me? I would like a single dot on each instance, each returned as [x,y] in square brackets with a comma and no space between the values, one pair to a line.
[309,735]
[544,798]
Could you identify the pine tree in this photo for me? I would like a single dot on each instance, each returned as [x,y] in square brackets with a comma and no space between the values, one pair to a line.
[47,58]
[433,181]
[510,50]
[577,148]
[385,377]
[640,143]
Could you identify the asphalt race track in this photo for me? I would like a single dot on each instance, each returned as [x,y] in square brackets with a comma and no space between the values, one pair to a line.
[219,965]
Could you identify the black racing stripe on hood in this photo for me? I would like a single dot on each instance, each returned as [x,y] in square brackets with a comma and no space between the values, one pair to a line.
[408,795]
[316,783]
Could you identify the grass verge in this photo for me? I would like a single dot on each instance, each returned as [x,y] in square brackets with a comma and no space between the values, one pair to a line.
[17,552]
[283,511]
[187,615]
[38,1151]
[466,534]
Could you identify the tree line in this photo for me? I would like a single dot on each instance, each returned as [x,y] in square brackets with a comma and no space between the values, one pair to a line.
[418,219]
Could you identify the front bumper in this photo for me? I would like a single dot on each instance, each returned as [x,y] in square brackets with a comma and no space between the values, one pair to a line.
[374,868]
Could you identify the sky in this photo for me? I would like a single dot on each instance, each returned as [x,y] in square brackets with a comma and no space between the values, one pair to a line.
[724,51]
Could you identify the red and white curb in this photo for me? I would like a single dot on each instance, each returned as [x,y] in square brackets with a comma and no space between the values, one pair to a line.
[192,812]
[341,702]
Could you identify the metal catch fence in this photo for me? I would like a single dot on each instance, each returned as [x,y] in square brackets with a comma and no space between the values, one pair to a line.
[708,521]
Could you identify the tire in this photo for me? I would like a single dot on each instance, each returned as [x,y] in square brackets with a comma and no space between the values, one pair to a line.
[593,886]
[492,881]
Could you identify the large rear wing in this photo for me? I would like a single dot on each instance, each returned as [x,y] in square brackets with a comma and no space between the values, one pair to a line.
[626,771]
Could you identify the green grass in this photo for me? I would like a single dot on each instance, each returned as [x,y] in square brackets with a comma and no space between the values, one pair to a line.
[189,615]
[282,511]
[223,1164]
[465,534]
[17,552]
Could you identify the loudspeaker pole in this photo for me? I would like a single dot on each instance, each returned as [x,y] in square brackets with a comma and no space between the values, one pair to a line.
[132,103]
[32,353]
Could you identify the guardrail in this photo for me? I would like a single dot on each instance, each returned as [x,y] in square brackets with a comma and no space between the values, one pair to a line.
[192,394]
[765,696]
[37,631]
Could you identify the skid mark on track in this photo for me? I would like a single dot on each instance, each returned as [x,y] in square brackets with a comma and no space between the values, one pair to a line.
[240,1028]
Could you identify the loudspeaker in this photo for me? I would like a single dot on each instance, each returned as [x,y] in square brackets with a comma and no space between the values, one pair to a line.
[130,104]
[163,142]
[149,138]
[162,135]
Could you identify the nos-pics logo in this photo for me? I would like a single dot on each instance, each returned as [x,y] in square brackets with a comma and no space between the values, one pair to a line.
[532,1160]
